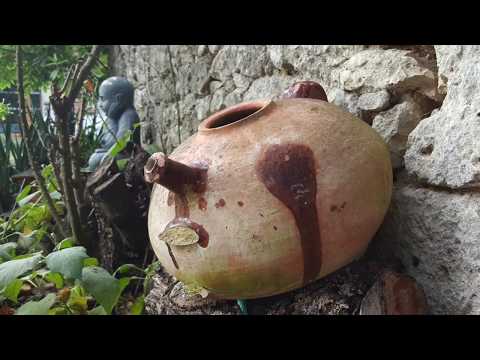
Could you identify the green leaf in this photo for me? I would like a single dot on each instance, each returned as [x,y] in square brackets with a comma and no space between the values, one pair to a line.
[37,307]
[26,199]
[78,299]
[29,241]
[103,286]
[99,310]
[58,310]
[122,164]
[125,268]
[55,195]
[68,262]
[138,306]
[54,74]
[120,144]
[7,251]
[55,278]
[65,243]
[12,290]
[23,194]
[91,261]
[11,270]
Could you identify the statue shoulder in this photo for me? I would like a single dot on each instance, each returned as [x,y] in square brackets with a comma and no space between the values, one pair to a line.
[129,115]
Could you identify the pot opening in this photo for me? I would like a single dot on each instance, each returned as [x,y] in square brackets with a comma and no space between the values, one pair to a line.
[233,114]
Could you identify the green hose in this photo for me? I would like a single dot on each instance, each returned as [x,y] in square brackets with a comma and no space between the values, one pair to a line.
[243,306]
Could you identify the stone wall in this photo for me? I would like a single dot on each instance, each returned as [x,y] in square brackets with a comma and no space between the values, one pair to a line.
[421,99]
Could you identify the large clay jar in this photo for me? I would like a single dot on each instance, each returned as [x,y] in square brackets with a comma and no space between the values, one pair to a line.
[268,196]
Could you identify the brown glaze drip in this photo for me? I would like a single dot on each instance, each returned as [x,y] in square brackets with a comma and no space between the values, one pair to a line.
[181,206]
[288,172]
[202,204]
[240,203]
[220,203]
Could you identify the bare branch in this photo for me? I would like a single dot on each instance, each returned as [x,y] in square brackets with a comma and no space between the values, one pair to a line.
[83,74]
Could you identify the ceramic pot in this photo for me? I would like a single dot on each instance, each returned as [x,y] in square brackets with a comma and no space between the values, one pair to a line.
[268,196]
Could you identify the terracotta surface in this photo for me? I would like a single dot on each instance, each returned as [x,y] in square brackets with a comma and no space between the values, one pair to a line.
[290,193]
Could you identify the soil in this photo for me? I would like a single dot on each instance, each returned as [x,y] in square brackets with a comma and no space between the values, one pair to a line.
[339,293]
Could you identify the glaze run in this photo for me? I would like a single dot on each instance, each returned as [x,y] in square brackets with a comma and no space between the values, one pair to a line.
[177,196]
[288,172]
[202,203]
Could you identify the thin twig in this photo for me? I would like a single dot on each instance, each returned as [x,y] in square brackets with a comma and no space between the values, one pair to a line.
[67,79]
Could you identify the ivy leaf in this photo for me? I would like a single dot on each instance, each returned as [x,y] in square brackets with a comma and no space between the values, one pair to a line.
[125,268]
[55,278]
[23,194]
[27,198]
[11,270]
[103,287]
[7,251]
[12,290]
[78,300]
[120,144]
[91,261]
[68,262]
[37,307]
[138,306]
[65,243]
[55,195]
[99,310]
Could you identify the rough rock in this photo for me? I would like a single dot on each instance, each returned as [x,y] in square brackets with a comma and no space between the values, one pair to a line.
[376,101]
[376,69]
[177,86]
[444,150]
[436,235]
[395,125]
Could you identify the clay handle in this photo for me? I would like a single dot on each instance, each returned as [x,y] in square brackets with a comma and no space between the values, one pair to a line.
[174,175]
[305,89]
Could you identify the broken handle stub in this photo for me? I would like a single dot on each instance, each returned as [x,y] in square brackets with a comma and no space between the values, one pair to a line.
[305,89]
[174,175]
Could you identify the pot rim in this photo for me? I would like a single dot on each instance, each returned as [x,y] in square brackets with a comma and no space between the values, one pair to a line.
[257,107]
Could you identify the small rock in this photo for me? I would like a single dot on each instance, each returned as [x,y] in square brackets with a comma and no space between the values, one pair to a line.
[213,49]
[376,101]
[444,149]
[394,294]
[202,50]
[375,69]
[346,100]
[395,125]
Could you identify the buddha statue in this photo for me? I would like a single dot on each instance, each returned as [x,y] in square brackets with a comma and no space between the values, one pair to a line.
[116,102]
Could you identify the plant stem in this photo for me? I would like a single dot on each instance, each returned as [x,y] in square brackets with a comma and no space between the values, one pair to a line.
[28,142]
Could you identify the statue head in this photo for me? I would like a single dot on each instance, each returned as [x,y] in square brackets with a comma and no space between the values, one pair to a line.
[115,96]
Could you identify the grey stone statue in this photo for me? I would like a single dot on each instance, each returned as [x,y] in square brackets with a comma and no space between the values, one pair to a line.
[116,101]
